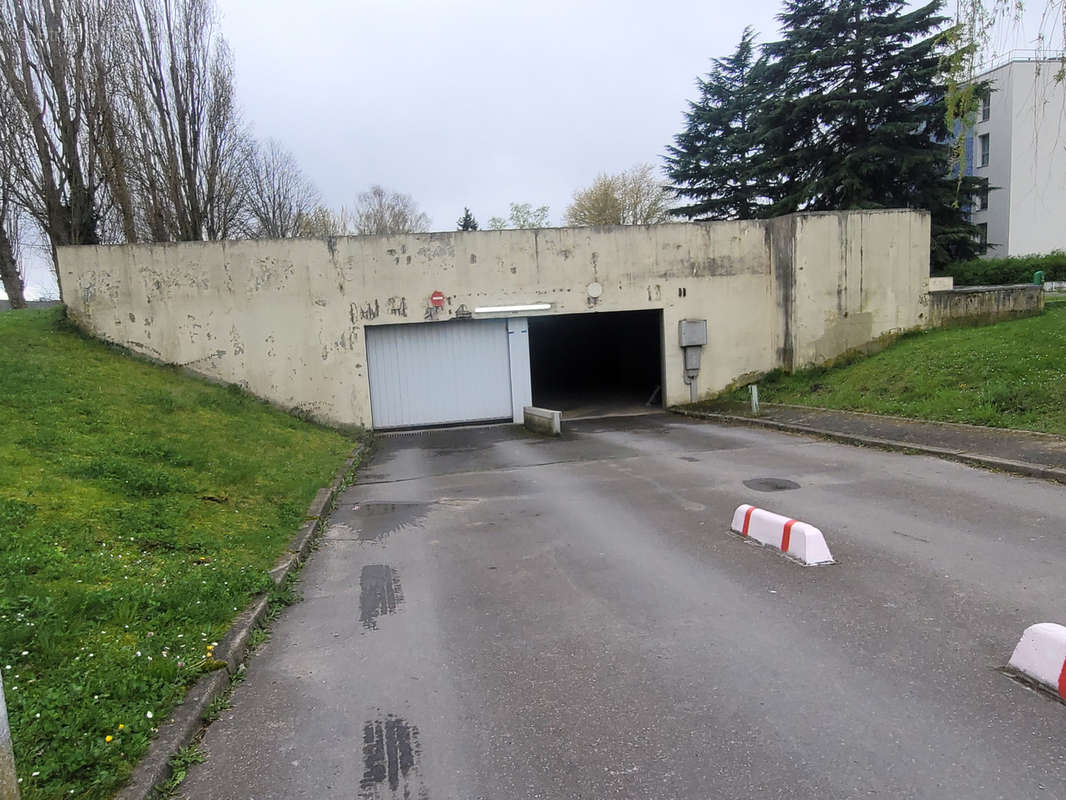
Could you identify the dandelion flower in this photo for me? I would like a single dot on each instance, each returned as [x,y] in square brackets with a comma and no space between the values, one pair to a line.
[108,739]
[121,726]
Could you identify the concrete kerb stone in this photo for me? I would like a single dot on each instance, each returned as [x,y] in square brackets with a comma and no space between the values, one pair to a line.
[1041,656]
[173,735]
[799,540]
[543,420]
[186,721]
[286,564]
[1022,468]
[233,645]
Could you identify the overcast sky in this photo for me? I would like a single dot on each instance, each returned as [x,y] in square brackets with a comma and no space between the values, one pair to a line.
[473,103]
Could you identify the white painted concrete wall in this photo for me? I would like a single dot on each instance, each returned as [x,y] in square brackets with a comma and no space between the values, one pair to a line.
[1027,166]
[286,319]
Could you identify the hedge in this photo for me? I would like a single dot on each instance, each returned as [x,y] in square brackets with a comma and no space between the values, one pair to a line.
[1015,269]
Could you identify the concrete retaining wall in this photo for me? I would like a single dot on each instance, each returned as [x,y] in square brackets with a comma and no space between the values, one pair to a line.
[970,305]
[286,319]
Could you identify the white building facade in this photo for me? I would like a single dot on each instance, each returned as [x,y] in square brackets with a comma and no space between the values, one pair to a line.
[1019,144]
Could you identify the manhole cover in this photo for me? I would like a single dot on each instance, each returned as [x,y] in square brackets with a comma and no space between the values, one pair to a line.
[771,484]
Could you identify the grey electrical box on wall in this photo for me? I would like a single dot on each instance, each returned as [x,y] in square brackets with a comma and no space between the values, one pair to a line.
[692,332]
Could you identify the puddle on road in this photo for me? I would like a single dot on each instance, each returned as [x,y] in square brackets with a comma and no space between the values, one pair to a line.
[380,593]
[376,520]
[390,752]
[771,484]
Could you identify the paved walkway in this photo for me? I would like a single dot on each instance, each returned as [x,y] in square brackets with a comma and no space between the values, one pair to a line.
[1038,455]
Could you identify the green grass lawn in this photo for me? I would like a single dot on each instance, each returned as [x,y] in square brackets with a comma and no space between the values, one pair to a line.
[1011,375]
[139,511]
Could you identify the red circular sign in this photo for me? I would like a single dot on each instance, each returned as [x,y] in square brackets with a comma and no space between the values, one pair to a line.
[437,299]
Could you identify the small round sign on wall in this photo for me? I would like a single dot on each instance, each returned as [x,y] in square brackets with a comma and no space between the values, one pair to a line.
[437,299]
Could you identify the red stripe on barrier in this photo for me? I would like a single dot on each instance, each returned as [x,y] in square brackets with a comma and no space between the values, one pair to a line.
[1062,681]
[787,535]
[747,519]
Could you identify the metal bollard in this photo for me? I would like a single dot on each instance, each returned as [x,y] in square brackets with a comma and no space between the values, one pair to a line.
[753,390]
[9,786]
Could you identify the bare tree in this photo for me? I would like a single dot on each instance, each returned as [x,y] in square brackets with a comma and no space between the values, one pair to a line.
[380,212]
[632,197]
[599,204]
[189,144]
[11,276]
[280,197]
[323,222]
[108,112]
[979,22]
[522,216]
[42,67]
[644,200]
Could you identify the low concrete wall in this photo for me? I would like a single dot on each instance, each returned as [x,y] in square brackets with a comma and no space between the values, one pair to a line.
[973,305]
[287,319]
[941,283]
[543,420]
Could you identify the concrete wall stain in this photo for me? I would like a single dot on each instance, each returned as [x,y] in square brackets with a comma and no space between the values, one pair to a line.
[776,293]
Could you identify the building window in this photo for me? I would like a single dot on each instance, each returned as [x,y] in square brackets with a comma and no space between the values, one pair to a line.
[986,108]
[982,234]
[985,148]
[980,201]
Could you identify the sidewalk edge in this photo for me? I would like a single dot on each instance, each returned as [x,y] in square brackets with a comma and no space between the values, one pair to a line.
[1024,468]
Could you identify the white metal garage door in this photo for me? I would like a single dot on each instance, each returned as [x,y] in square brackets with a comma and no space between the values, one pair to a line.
[438,372]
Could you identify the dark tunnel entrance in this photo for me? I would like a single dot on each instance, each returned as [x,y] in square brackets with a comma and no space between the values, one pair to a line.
[597,363]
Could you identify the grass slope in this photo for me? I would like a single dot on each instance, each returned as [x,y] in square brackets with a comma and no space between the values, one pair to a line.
[1011,375]
[139,511]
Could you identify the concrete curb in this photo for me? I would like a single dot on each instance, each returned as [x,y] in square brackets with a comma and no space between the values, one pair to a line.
[1041,656]
[186,721]
[173,735]
[543,420]
[1024,468]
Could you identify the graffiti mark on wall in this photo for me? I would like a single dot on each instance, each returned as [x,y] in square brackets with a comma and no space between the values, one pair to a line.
[397,306]
[367,311]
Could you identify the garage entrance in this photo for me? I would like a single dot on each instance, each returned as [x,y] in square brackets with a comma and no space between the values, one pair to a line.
[441,372]
[595,363]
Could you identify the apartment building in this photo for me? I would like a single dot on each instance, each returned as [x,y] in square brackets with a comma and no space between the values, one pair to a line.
[1019,143]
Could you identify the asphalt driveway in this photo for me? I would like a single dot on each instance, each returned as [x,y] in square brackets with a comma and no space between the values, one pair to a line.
[494,615]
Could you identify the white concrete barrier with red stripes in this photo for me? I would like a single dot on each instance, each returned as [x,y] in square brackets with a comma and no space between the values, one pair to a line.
[800,540]
[1041,654]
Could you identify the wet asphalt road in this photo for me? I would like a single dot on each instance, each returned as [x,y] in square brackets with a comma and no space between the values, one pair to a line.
[492,615]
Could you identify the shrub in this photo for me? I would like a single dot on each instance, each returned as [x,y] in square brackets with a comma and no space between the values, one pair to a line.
[1015,269]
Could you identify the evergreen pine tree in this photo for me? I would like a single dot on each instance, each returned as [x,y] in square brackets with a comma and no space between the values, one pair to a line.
[857,115]
[467,221]
[714,161]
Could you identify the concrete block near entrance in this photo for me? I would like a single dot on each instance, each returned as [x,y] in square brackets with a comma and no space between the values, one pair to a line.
[1041,655]
[543,420]
[803,542]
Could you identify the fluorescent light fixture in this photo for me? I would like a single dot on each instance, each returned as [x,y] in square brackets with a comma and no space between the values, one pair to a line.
[505,309]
